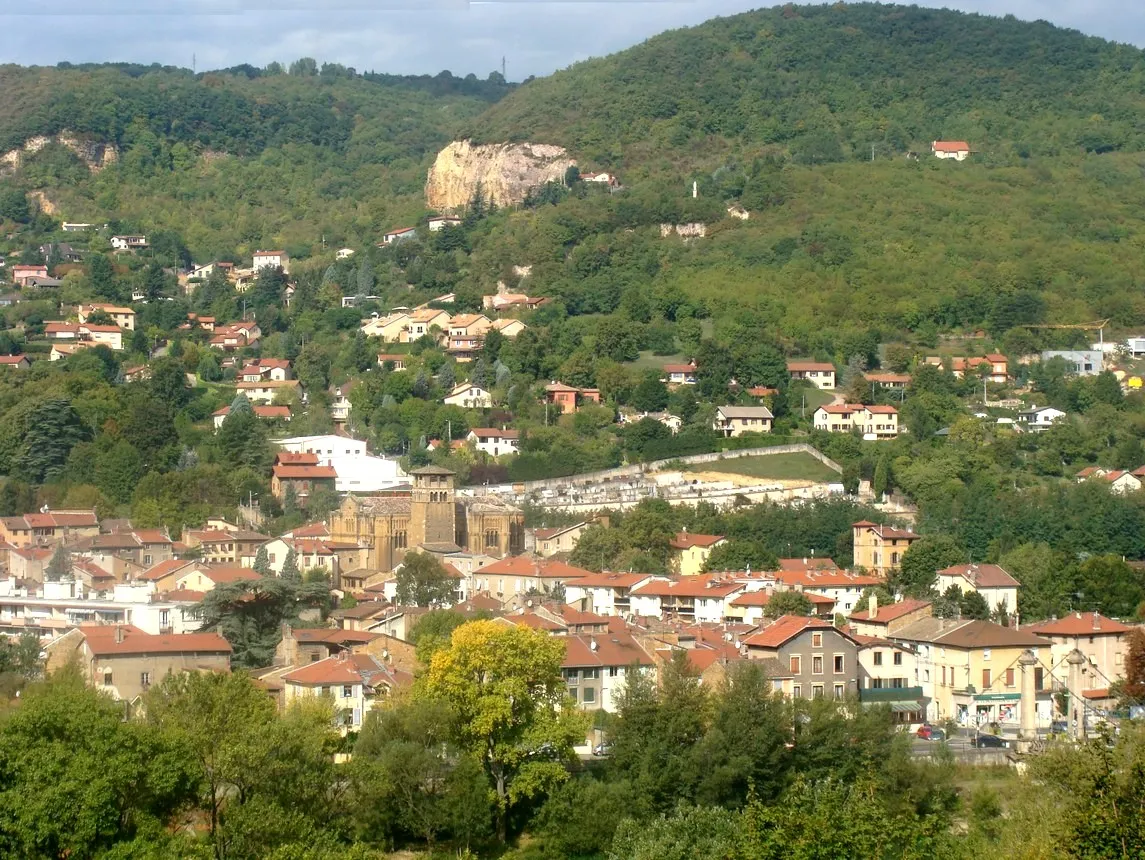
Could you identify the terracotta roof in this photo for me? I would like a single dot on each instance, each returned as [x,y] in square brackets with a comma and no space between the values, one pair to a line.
[799,366]
[826,579]
[346,669]
[543,568]
[890,612]
[290,472]
[785,628]
[333,636]
[164,568]
[611,649]
[951,146]
[101,640]
[888,377]
[1078,624]
[982,575]
[685,540]
[679,368]
[706,586]
[811,563]
[537,622]
[888,532]
[608,579]
[493,432]
[549,534]
[13,359]
[1099,693]
[764,595]
[151,536]
[229,573]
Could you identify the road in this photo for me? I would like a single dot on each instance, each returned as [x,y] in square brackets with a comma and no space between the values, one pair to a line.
[959,742]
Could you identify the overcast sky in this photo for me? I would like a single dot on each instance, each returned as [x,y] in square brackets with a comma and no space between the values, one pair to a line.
[414,36]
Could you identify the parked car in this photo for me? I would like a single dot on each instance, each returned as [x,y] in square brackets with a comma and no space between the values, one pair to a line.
[990,742]
[931,733]
[603,748]
[1059,727]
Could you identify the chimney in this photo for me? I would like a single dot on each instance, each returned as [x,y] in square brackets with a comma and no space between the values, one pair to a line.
[872,606]
[118,634]
[1096,620]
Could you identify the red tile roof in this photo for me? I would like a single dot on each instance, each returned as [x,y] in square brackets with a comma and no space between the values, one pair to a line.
[951,146]
[346,669]
[543,568]
[229,573]
[101,640]
[706,586]
[982,575]
[289,472]
[685,540]
[826,579]
[164,568]
[607,579]
[890,612]
[800,366]
[492,433]
[1078,624]
[808,564]
[785,628]
[604,649]
[763,597]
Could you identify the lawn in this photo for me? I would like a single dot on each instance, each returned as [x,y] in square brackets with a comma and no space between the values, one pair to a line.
[648,360]
[815,398]
[787,467]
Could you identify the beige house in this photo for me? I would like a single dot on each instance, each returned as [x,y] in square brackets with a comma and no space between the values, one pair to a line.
[879,548]
[731,421]
[225,545]
[510,579]
[203,578]
[354,682]
[389,329]
[423,321]
[469,325]
[509,328]
[1103,642]
[469,396]
[265,391]
[874,422]
[553,541]
[821,374]
[689,552]
[997,586]
[121,316]
[124,662]
[882,621]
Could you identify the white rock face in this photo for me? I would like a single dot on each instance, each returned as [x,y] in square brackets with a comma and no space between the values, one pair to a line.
[505,172]
[95,155]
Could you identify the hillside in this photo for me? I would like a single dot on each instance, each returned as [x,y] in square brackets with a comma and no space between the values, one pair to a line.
[825,83]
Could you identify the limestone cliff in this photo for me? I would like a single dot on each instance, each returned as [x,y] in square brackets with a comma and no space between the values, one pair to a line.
[505,171]
[95,155]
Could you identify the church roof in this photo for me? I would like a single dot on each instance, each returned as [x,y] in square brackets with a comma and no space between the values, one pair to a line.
[432,470]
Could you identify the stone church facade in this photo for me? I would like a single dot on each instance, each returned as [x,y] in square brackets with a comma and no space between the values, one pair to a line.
[432,518]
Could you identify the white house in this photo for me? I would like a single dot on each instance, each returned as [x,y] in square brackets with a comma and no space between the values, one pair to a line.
[440,222]
[345,253]
[271,259]
[266,390]
[121,316]
[1040,418]
[492,441]
[604,593]
[959,150]
[399,235]
[886,665]
[994,584]
[469,396]
[821,374]
[702,598]
[874,422]
[128,243]
[1136,346]
[356,470]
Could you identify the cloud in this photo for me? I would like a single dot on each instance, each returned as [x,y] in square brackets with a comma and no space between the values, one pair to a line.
[412,36]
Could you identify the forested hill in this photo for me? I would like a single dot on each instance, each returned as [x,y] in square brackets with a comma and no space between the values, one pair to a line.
[826,83]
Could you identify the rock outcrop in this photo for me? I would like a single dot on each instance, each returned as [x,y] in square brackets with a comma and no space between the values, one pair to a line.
[504,171]
[95,155]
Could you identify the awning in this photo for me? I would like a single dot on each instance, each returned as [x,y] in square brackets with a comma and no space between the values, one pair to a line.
[898,707]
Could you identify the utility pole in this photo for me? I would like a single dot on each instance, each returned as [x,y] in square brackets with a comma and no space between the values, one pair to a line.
[872,152]
[503,67]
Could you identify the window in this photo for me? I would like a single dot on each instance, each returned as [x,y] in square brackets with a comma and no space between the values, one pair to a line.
[572,693]
[985,679]
[107,679]
[270,557]
[164,617]
[1039,678]
[816,640]
[144,680]
[944,676]
[794,664]
[985,653]
[347,691]
[838,691]
[590,674]
[325,691]
[492,538]
[588,695]
[839,664]
[898,658]
[399,540]
[574,677]
[816,691]
[817,664]
[797,690]
[898,683]
[613,671]
[1009,677]
[878,658]
[147,559]
[876,683]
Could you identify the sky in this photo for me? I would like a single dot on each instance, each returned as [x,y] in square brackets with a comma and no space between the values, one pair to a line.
[415,36]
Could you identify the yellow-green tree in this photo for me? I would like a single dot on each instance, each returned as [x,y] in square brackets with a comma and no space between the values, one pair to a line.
[502,685]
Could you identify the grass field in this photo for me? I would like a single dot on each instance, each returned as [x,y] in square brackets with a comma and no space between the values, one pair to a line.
[815,398]
[647,360]
[786,467]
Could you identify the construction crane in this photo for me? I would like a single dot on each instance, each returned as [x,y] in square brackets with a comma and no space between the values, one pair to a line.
[1097,325]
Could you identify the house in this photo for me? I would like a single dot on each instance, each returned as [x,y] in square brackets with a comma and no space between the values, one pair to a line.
[821,374]
[355,682]
[424,321]
[701,598]
[994,367]
[389,329]
[21,274]
[18,362]
[881,621]
[823,661]
[122,317]
[879,548]
[399,235]
[124,661]
[969,670]
[1079,362]
[76,227]
[47,527]
[511,579]
[494,442]
[469,325]
[1102,641]
[688,553]
[266,413]
[128,243]
[1122,482]
[275,369]
[600,179]
[60,351]
[206,323]
[340,404]
[896,381]
[357,471]
[569,398]
[440,222]
[236,336]
[469,396]
[394,361]
[873,422]
[959,150]
[61,250]
[1040,418]
[271,260]
[204,577]
[225,545]
[731,421]
[265,391]
[844,587]
[316,552]
[994,584]
[751,606]
[504,301]
[596,667]
[508,328]
[547,542]
[680,374]
[888,677]
[300,473]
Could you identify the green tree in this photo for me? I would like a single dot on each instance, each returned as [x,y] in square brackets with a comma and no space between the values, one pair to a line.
[503,688]
[168,382]
[922,561]
[118,470]
[262,561]
[433,631]
[52,428]
[422,580]
[788,603]
[737,554]
[290,567]
[60,565]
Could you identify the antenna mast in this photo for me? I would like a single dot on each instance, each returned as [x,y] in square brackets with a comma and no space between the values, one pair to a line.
[503,67]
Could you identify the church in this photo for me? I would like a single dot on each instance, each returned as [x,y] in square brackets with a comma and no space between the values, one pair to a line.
[432,518]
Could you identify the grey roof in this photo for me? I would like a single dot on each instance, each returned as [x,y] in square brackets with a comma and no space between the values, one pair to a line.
[745,412]
[383,505]
[432,470]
